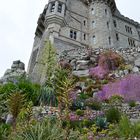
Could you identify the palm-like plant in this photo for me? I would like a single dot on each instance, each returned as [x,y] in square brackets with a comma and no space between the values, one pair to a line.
[15,104]
[63,84]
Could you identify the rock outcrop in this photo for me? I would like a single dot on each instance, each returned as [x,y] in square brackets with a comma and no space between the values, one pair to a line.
[83,59]
[17,70]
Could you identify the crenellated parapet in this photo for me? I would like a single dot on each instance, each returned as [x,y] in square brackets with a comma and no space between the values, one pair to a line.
[110,3]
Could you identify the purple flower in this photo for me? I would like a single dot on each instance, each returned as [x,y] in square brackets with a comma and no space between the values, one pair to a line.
[128,87]
[98,71]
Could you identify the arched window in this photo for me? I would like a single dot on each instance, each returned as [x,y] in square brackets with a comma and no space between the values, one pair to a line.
[108,25]
[106,11]
[84,36]
[84,22]
[93,39]
[117,36]
[93,24]
[52,7]
[59,7]
[109,39]
[92,11]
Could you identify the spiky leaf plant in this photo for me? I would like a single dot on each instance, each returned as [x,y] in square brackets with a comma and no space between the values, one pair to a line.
[15,104]
[46,130]
[47,96]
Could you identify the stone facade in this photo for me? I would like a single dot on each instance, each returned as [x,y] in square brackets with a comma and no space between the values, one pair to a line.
[76,24]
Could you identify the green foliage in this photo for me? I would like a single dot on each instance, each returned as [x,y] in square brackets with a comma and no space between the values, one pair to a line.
[113,115]
[125,127]
[7,88]
[101,122]
[49,60]
[127,130]
[116,99]
[80,112]
[83,96]
[95,105]
[5,131]
[77,104]
[15,104]
[132,104]
[30,90]
[47,96]
[25,113]
[104,81]
[87,123]
[5,91]
[63,84]
[46,130]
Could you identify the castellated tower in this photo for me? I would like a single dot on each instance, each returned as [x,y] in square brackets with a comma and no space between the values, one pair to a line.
[71,24]
[101,31]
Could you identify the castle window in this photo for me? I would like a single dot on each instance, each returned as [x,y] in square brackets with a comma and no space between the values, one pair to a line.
[139,33]
[73,34]
[115,23]
[106,11]
[94,39]
[108,25]
[84,36]
[117,36]
[52,7]
[92,11]
[59,8]
[109,39]
[93,24]
[131,42]
[128,29]
[84,23]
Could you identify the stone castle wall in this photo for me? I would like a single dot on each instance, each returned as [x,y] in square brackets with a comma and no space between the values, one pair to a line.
[98,24]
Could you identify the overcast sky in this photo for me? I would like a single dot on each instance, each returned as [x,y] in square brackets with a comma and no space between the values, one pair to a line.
[18,20]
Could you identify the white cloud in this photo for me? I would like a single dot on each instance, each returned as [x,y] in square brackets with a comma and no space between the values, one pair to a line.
[18,20]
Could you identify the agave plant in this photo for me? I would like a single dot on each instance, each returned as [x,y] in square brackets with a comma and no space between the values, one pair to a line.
[47,96]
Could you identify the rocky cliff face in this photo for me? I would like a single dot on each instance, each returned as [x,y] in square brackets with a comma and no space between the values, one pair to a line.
[17,70]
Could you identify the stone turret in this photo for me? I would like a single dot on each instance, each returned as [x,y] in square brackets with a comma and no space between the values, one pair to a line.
[54,19]
[110,3]
[101,23]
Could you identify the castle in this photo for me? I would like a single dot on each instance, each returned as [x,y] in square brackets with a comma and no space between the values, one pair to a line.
[71,24]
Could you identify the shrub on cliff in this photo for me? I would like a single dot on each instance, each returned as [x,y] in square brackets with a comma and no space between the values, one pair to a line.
[108,61]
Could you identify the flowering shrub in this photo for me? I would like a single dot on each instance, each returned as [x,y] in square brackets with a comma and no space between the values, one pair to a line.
[108,61]
[98,72]
[128,87]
